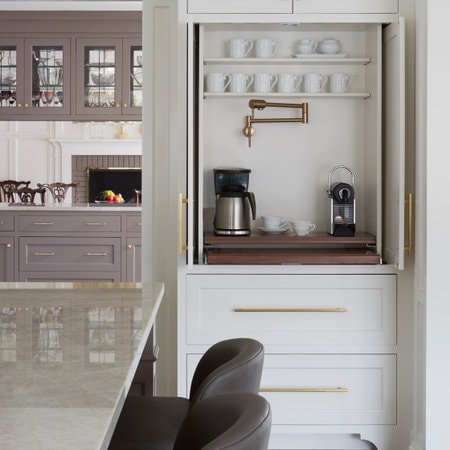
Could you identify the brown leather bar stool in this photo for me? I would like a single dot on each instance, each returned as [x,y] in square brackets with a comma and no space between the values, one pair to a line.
[8,187]
[27,195]
[59,190]
[233,365]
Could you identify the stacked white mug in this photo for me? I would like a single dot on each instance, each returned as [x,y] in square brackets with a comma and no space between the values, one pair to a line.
[264,82]
[288,82]
[314,83]
[217,81]
[265,48]
[239,47]
[340,82]
[240,82]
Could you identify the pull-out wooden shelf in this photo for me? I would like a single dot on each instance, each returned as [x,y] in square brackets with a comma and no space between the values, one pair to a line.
[316,248]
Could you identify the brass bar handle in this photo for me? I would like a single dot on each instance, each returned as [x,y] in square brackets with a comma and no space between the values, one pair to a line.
[43,223]
[338,389]
[296,310]
[44,254]
[181,247]
[96,254]
[409,245]
[95,224]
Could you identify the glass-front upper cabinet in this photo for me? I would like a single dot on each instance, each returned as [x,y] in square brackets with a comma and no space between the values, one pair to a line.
[109,76]
[34,77]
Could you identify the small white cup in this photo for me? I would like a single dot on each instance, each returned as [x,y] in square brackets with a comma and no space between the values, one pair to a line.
[303,227]
[273,222]
[340,82]
[264,82]
[240,82]
[239,47]
[217,81]
[307,46]
[265,48]
[314,83]
[288,82]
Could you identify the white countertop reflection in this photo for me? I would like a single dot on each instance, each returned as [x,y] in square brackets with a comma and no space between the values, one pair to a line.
[68,354]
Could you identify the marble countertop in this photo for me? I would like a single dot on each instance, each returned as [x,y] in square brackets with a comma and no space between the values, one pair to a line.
[52,207]
[68,354]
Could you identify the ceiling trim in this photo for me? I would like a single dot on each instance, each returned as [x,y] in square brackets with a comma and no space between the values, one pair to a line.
[71,5]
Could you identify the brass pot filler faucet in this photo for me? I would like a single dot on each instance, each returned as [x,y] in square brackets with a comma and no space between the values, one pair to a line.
[249,131]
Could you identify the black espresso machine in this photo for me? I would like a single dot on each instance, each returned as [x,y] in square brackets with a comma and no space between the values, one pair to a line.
[342,205]
[235,206]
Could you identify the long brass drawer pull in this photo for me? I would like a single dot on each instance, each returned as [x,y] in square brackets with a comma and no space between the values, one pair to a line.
[44,254]
[306,389]
[96,254]
[95,224]
[181,201]
[43,223]
[296,310]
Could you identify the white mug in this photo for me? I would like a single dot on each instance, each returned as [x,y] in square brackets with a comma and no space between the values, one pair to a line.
[314,83]
[340,82]
[240,82]
[306,46]
[265,48]
[217,81]
[302,227]
[264,82]
[273,222]
[288,82]
[239,47]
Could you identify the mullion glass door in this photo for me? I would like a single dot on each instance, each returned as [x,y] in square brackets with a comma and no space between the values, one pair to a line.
[11,77]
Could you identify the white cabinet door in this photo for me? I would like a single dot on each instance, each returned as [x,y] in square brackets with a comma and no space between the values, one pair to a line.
[346,6]
[239,6]
[394,143]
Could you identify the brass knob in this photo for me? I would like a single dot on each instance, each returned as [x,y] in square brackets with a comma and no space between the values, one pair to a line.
[19,105]
[117,105]
[125,105]
[130,246]
[26,105]
[8,245]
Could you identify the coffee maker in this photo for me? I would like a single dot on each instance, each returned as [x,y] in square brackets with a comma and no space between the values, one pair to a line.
[235,206]
[342,205]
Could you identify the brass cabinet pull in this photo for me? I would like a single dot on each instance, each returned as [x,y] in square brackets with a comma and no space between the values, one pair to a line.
[306,389]
[129,246]
[44,254]
[96,254]
[43,223]
[139,224]
[181,247]
[95,224]
[8,245]
[296,310]
[409,245]
[1,222]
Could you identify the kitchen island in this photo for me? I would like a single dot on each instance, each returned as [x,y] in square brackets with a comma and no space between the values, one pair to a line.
[68,354]
[74,242]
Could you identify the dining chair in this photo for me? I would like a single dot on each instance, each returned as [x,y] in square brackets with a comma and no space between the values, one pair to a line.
[8,187]
[232,365]
[27,195]
[234,421]
[59,190]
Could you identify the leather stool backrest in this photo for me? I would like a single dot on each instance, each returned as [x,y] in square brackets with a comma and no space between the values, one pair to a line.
[232,365]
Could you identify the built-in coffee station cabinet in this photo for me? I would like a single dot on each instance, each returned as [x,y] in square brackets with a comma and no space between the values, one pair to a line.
[324,304]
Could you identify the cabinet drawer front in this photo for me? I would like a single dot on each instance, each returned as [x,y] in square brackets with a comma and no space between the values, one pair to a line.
[134,224]
[69,254]
[327,389]
[90,223]
[239,7]
[331,389]
[346,6]
[6,222]
[295,310]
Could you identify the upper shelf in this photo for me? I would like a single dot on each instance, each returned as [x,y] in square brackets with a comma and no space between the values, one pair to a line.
[304,60]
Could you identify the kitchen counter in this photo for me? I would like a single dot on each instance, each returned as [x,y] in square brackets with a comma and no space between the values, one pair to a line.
[72,207]
[68,353]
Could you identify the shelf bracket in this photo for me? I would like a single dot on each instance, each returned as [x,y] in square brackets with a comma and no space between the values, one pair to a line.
[249,131]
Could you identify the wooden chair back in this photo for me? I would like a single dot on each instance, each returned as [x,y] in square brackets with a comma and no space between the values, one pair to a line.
[59,190]
[27,195]
[9,187]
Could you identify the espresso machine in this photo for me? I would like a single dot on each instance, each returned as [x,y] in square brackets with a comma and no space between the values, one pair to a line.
[235,206]
[342,205]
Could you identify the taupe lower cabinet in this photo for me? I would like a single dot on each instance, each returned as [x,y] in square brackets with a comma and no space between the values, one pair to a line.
[70,245]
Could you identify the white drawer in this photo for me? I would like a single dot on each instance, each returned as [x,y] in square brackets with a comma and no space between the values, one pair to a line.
[292,309]
[327,389]
[331,389]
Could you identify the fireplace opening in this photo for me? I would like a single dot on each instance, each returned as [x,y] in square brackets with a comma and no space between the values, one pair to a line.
[123,180]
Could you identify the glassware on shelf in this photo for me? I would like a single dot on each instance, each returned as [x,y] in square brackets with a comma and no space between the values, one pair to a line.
[8,76]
